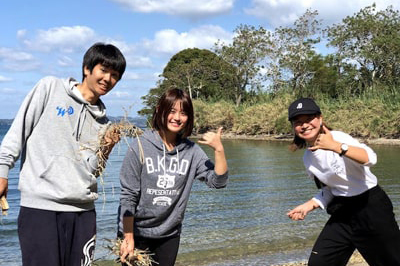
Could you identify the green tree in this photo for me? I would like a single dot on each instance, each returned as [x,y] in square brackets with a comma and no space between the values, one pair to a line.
[150,100]
[372,39]
[323,76]
[294,49]
[248,48]
[200,72]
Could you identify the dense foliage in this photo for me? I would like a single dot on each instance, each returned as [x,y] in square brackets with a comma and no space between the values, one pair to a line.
[250,82]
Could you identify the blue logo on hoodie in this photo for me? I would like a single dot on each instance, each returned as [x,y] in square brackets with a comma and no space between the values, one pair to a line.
[63,111]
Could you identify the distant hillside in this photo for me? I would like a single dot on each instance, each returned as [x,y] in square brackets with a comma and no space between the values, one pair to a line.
[6,122]
[138,121]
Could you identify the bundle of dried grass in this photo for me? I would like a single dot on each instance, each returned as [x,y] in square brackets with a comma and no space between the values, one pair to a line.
[4,205]
[140,257]
[124,129]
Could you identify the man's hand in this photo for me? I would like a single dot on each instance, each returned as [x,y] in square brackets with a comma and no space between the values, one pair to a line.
[3,187]
[3,194]
[111,138]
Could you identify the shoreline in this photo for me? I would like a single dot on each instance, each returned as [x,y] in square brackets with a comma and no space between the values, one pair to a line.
[289,138]
[355,260]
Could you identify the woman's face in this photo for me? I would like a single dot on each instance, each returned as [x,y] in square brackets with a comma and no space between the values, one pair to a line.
[307,127]
[177,118]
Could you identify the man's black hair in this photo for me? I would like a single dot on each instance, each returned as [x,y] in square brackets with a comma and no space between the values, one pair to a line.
[105,54]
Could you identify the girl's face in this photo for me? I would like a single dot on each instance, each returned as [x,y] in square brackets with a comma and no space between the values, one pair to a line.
[307,127]
[177,118]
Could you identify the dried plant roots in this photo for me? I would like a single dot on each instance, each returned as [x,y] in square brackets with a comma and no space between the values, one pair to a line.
[140,257]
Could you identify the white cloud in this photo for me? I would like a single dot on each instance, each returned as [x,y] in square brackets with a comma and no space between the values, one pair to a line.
[135,61]
[285,12]
[15,60]
[156,76]
[14,55]
[65,39]
[131,76]
[65,61]
[170,41]
[21,34]
[121,94]
[5,79]
[8,91]
[184,8]
[123,46]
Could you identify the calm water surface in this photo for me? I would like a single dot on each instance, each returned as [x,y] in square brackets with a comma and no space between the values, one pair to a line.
[243,224]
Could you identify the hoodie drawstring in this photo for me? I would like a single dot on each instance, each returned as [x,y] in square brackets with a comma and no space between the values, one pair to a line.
[177,157]
[79,123]
[140,150]
[165,158]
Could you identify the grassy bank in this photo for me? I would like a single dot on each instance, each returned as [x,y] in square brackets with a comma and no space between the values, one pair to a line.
[368,118]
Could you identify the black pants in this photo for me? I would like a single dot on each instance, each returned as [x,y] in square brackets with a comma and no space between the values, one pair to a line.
[49,238]
[366,223]
[164,250]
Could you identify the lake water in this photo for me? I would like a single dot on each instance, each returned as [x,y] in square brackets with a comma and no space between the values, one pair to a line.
[243,224]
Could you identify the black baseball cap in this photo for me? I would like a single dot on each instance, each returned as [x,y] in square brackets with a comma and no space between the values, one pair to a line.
[303,106]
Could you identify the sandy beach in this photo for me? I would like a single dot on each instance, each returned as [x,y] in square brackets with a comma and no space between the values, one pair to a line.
[356,260]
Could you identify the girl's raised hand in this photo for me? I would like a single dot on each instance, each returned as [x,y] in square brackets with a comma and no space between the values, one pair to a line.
[324,141]
[212,139]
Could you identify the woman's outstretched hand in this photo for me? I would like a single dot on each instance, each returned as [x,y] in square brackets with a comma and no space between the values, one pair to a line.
[301,211]
[213,139]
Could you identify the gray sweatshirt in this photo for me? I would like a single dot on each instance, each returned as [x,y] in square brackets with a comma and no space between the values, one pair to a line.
[56,134]
[156,192]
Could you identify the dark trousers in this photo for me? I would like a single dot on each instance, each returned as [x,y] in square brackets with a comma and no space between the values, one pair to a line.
[49,238]
[164,251]
[366,223]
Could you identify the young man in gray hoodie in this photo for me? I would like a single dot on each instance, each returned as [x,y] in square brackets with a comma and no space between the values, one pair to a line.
[57,133]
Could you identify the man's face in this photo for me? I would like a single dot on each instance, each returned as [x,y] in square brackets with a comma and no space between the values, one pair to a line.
[101,80]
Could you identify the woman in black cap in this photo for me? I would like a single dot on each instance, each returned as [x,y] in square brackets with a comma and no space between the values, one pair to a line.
[362,215]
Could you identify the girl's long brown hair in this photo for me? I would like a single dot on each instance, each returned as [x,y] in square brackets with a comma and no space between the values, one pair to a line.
[164,106]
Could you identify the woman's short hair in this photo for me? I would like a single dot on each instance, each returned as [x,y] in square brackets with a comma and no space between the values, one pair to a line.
[164,107]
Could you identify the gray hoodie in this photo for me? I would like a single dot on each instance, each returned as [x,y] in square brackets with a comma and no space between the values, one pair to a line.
[56,134]
[156,191]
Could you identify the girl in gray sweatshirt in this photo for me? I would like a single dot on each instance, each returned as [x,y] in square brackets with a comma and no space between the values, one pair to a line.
[157,175]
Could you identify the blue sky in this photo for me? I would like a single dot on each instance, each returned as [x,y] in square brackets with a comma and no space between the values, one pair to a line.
[48,37]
